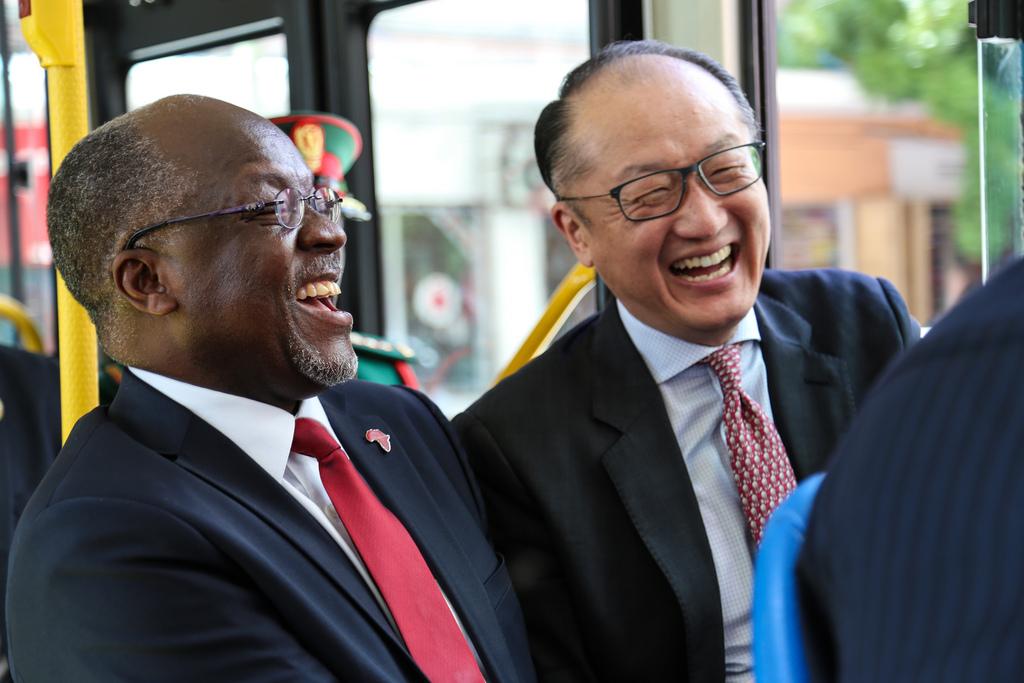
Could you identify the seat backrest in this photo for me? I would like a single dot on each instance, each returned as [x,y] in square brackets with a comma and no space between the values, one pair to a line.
[779,654]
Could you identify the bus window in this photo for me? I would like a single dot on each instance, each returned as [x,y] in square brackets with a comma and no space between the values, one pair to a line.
[878,144]
[252,74]
[469,255]
[28,274]
[999,99]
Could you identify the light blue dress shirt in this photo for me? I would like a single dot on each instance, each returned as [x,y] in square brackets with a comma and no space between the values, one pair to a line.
[693,400]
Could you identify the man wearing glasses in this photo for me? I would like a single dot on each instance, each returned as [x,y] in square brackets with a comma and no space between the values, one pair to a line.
[231,516]
[630,469]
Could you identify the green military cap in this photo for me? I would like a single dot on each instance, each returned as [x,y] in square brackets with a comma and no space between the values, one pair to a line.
[384,361]
[330,145]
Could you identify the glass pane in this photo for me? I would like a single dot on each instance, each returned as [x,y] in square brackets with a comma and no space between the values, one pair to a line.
[470,256]
[878,144]
[32,183]
[252,74]
[999,100]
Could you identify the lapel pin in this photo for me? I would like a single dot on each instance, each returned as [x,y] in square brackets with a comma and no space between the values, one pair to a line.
[380,438]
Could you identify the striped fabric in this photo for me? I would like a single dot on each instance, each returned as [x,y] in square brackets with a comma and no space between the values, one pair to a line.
[913,563]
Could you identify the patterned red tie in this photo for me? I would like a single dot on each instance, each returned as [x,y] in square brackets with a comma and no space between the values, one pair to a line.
[393,560]
[760,467]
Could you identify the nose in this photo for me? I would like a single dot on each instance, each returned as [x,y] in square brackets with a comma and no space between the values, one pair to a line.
[317,233]
[701,215]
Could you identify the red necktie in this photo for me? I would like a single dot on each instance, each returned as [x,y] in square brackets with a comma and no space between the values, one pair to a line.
[393,560]
[760,467]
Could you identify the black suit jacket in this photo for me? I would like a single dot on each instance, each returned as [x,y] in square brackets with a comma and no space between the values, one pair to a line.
[156,550]
[913,556]
[29,437]
[591,502]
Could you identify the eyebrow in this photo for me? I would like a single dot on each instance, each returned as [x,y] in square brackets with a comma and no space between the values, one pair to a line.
[725,142]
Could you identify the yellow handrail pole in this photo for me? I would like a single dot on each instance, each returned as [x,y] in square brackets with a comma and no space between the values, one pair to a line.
[568,293]
[53,29]
[12,310]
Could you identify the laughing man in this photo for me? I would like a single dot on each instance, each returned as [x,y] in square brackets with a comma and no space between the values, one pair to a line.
[629,470]
[241,511]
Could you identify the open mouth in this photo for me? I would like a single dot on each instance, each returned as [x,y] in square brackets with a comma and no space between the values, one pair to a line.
[703,268]
[319,294]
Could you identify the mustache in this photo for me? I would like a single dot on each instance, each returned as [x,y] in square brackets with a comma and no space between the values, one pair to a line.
[324,267]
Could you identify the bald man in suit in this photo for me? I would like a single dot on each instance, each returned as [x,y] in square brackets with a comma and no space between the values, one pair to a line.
[242,511]
[629,469]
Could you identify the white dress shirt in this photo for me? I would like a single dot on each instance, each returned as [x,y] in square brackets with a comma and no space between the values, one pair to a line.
[264,433]
[693,400]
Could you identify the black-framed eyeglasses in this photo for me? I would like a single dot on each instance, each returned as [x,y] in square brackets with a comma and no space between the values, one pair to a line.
[660,193]
[288,204]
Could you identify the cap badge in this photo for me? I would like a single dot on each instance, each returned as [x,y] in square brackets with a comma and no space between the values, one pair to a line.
[380,438]
[309,138]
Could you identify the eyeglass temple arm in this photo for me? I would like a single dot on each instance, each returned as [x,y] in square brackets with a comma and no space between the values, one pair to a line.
[142,232]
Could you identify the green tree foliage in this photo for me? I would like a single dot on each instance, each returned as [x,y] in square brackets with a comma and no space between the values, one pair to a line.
[913,50]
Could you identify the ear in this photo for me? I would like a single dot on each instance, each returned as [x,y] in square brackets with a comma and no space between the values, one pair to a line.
[575,231]
[140,276]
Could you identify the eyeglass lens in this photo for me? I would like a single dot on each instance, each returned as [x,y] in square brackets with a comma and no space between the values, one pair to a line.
[661,193]
[327,203]
[290,206]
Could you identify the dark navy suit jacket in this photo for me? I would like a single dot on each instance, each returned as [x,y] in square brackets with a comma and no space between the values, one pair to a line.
[591,502]
[29,436]
[914,556]
[156,550]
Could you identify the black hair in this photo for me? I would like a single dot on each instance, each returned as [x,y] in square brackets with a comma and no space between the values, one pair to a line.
[554,159]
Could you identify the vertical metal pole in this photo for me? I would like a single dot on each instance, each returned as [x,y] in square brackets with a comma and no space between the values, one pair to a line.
[345,26]
[612,20]
[758,55]
[53,29]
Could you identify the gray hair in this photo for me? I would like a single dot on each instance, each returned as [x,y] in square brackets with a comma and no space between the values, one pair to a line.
[556,161]
[108,185]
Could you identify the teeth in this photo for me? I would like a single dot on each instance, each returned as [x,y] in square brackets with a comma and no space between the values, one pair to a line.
[705,261]
[313,290]
[709,276]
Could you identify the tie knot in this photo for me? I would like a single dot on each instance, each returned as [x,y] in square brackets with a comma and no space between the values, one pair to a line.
[726,364]
[311,438]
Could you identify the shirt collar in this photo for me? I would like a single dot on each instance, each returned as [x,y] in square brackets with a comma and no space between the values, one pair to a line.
[264,432]
[666,356]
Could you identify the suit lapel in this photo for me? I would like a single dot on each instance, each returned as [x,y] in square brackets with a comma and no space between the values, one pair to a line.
[810,391]
[397,483]
[648,472]
[811,396]
[169,428]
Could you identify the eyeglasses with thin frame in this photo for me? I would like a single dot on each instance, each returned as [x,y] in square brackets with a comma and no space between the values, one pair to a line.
[288,204]
[661,193]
